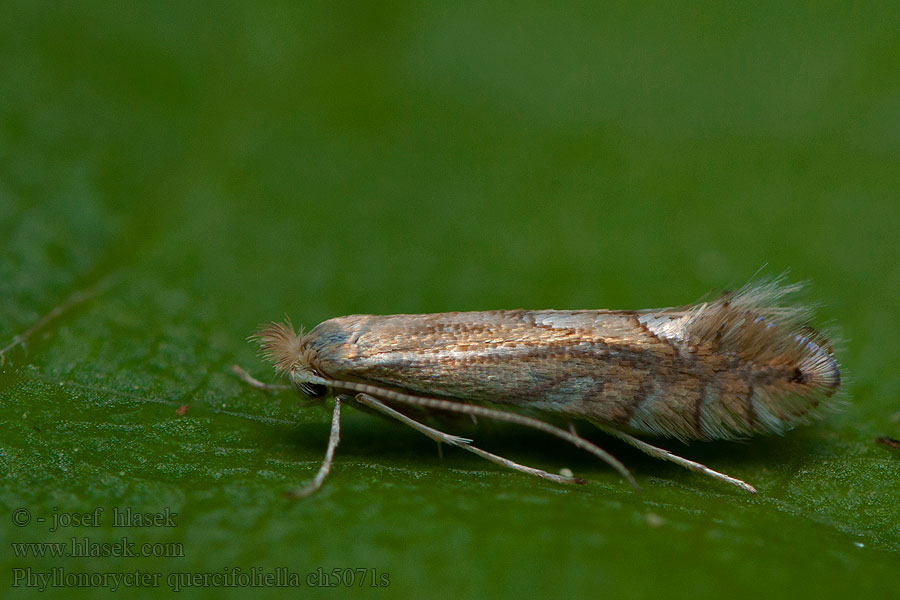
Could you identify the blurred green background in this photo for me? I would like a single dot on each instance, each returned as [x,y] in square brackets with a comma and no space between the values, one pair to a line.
[230,163]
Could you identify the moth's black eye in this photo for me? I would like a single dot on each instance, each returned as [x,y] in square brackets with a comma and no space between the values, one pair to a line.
[312,390]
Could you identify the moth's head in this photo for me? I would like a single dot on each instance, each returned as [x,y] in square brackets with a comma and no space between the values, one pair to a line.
[286,350]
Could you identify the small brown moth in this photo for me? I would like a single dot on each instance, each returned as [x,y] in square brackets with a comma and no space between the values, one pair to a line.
[742,364]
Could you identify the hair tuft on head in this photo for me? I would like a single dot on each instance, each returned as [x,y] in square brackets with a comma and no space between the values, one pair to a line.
[280,345]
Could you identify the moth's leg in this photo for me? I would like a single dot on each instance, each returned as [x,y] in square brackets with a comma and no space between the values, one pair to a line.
[333,440]
[436,435]
[501,415]
[664,454]
[479,411]
[256,383]
[459,442]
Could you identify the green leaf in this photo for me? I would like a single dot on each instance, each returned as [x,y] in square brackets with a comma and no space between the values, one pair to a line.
[173,175]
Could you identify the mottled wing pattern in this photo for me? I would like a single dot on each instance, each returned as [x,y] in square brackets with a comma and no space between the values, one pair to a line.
[736,365]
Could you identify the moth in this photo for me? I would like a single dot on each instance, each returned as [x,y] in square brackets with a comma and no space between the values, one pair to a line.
[745,363]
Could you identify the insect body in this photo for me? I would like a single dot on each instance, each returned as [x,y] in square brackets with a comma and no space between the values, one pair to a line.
[738,365]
